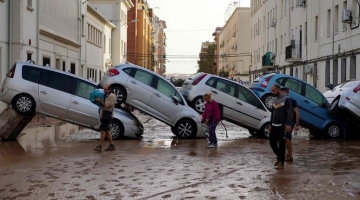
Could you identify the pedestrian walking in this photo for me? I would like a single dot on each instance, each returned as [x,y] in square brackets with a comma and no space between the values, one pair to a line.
[294,126]
[280,120]
[106,115]
[211,117]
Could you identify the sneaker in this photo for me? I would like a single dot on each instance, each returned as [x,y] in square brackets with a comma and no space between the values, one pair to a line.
[289,158]
[110,148]
[211,145]
[98,148]
[277,162]
[280,166]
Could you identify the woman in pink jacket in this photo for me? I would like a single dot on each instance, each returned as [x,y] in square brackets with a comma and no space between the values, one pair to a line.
[211,117]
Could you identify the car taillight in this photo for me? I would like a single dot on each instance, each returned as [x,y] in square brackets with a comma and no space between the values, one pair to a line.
[113,72]
[11,72]
[195,82]
[356,89]
[265,83]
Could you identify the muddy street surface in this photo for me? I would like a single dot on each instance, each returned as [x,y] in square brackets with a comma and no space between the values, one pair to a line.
[42,166]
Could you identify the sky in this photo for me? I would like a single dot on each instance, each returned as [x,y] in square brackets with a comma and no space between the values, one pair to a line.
[189,23]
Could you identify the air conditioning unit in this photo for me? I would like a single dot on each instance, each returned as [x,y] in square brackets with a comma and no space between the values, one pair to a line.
[301,3]
[292,42]
[273,23]
[346,16]
[308,69]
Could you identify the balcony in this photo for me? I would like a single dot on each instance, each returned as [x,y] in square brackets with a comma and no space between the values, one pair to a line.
[293,52]
[266,59]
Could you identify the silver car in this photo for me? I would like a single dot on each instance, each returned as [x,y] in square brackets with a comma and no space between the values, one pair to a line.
[240,105]
[31,88]
[154,95]
[344,97]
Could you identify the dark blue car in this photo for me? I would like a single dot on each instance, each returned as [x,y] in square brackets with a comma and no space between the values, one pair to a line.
[312,105]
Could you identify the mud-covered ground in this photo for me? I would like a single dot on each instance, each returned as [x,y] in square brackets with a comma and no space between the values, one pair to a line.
[161,166]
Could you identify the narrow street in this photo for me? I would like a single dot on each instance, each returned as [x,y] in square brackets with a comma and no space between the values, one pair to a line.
[40,166]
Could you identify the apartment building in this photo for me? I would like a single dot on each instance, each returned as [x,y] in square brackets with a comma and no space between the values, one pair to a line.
[235,54]
[161,47]
[216,35]
[315,41]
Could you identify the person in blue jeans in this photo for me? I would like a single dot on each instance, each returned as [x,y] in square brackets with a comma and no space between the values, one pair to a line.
[211,117]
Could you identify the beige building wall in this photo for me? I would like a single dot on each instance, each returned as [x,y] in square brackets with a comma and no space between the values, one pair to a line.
[235,44]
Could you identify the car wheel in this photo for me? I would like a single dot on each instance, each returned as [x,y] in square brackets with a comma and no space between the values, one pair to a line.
[120,94]
[264,131]
[185,129]
[252,132]
[199,104]
[268,101]
[334,107]
[24,104]
[333,131]
[116,129]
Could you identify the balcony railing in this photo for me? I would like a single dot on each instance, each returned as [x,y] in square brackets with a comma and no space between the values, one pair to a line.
[293,52]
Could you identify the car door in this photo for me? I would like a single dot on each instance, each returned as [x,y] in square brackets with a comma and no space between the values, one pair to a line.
[247,108]
[355,98]
[223,93]
[32,75]
[54,93]
[295,92]
[81,109]
[140,89]
[161,103]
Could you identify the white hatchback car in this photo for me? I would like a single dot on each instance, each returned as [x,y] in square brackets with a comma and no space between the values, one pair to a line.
[240,105]
[154,95]
[344,97]
[31,88]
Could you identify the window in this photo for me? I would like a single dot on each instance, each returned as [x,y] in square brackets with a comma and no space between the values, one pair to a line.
[59,81]
[110,46]
[165,88]
[83,89]
[313,95]
[353,67]
[343,70]
[248,97]
[83,25]
[72,68]
[31,74]
[275,46]
[128,70]
[46,61]
[91,74]
[293,85]
[94,36]
[335,71]
[226,87]
[210,82]
[328,22]
[344,8]
[64,66]
[316,27]
[336,18]
[305,35]
[327,73]
[143,76]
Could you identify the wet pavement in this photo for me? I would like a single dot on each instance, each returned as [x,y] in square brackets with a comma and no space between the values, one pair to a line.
[42,166]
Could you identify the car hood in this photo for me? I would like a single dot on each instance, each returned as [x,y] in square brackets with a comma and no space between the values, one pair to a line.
[126,116]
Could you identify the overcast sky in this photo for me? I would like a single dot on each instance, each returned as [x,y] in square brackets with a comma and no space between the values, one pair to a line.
[189,23]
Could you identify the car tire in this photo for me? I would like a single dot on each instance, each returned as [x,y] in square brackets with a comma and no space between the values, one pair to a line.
[252,132]
[264,131]
[173,130]
[334,107]
[198,104]
[268,100]
[185,129]
[24,104]
[333,131]
[120,94]
[116,129]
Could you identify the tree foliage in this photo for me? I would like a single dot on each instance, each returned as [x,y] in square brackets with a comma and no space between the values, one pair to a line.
[177,82]
[223,73]
[206,63]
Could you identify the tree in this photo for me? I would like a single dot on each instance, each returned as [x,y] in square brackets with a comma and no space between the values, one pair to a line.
[206,61]
[177,82]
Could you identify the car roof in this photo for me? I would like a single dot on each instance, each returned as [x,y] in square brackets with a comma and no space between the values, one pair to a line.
[54,70]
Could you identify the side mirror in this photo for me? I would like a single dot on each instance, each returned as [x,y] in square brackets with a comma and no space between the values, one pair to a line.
[176,99]
[330,86]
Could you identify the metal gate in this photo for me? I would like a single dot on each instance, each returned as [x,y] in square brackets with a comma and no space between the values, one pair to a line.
[353,67]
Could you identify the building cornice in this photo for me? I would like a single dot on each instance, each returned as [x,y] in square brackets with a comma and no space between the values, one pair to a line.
[128,4]
[50,34]
[101,17]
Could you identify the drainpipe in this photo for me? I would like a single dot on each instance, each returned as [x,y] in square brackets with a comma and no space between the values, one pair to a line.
[10,34]
[38,31]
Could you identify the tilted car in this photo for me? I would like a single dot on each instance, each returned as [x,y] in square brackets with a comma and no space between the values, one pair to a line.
[153,94]
[31,88]
[312,104]
[240,105]
[345,99]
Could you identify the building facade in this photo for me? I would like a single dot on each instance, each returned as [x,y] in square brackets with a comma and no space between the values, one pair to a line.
[234,52]
[216,35]
[315,41]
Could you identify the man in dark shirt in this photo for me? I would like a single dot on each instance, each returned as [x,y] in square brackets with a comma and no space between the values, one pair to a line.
[280,124]
[294,125]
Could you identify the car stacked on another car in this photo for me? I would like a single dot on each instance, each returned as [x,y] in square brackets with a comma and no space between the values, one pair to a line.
[345,99]
[154,95]
[240,105]
[312,104]
[31,88]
